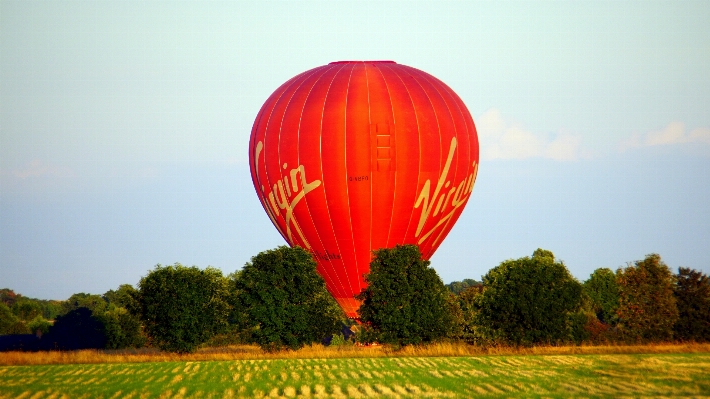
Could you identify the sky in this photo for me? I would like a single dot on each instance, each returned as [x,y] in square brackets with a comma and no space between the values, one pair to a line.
[124,129]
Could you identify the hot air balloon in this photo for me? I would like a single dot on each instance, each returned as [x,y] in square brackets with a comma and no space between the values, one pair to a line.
[354,156]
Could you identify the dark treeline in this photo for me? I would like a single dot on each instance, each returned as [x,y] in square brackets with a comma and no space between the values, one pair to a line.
[279,301]
[83,321]
[535,300]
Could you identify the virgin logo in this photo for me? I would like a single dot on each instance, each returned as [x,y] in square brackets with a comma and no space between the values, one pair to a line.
[285,195]
[446,199]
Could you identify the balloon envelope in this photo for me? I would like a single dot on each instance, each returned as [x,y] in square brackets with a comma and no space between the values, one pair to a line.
[355,156]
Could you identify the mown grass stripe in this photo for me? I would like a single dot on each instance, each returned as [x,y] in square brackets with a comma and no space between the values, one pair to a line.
[519,376]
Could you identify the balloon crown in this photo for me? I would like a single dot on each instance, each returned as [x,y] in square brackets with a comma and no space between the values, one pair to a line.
[353,62]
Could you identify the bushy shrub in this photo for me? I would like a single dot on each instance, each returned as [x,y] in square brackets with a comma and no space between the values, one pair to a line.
[647,307]
[183,307]
[122,329]
[467,300]
[93,302]
[282,300]
[39,326]
[527,301]
[405,301]
[78,329]
[692,293]
[603,293]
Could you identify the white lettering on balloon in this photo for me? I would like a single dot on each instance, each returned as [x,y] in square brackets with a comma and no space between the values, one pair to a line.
[455,197]
[284,196]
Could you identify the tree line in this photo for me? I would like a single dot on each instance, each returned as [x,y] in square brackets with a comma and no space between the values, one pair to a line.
[278,301]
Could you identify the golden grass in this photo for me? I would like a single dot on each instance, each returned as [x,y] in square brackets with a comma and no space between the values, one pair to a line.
[250,352]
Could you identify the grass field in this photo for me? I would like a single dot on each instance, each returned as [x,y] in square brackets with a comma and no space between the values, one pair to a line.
[605,375]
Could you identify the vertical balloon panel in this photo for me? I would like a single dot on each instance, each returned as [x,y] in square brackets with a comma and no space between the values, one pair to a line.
[355,156]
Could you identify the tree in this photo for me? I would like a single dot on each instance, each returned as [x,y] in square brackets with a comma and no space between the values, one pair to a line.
[603,294]
[527,301]
[7,319]
[692,293]
[647,307]
[93,302]
[457,287]
[405,301]
[124,297]
[284,300]
[467,300]
[122,318]
[182,307]
[122,330]
[39,326]
[78,329]
[8,296]
[51,308]
[26,309]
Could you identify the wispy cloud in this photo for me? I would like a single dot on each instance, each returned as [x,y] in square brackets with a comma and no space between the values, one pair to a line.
[674,133]
[505,139]
[37,168]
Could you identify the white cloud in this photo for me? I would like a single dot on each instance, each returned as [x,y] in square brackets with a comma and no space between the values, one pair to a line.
[674,133]
[502,139]
[37,168]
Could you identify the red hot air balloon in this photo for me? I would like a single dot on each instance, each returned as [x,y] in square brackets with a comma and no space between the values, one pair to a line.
[354,156]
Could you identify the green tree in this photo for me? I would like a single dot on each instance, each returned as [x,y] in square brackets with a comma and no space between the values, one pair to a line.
[467,300]
[603,294]
[122,329]
[93,302]
[405,301]
[647,307]
[692,293]
[26,309]
[182,307]
[8,296]
[121,318]
[78,329]
[458,287]
[39,326]
[284,300]
[7,319]
[527,301]
[123,297]
[51,308]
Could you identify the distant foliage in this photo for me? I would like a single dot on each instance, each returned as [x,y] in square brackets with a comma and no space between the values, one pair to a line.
[603,293]
[692,293]
[466,300]
[458,287]
[183,307]
[7,319]
[122,330]
[527,301]
[93,302]
[49,308]
[282,300]
[405,301]
[39,326]
[26,310]
[647,307]
[124,297]
[8,296]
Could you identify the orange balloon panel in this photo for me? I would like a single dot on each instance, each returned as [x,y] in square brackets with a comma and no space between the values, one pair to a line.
[354,156]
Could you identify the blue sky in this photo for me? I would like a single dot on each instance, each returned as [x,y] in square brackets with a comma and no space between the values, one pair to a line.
[124,129]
